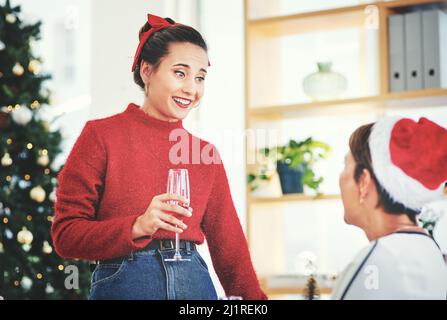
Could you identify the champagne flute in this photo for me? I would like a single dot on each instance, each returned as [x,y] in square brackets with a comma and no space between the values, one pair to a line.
[178,183]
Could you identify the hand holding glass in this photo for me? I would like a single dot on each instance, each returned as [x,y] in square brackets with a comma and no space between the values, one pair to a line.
[178,183]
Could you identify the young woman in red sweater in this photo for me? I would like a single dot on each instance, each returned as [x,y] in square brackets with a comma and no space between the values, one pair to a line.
[112,205]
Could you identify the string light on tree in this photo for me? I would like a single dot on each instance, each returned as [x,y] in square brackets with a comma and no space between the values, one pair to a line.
[35,104]
[43,159]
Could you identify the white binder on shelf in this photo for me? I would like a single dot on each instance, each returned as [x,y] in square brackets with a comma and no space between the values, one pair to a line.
[396,49]
[413,50]
[434,38]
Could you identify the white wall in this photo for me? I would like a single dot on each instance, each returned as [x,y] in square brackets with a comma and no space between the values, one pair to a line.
[114,41]
[222,111]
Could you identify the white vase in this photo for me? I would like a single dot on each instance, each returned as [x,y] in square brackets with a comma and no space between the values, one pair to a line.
[324,84]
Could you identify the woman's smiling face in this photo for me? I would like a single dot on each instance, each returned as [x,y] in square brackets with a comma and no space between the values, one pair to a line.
[178,83]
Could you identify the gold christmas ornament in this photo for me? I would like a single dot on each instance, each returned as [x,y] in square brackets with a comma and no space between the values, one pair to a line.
[43,160]
[38,194]
[6,160]
[25,236]
[10,18]
[47,249]
[34,66]
[18,69]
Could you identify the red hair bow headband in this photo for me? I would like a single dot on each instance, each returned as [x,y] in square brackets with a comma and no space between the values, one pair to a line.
[156,23]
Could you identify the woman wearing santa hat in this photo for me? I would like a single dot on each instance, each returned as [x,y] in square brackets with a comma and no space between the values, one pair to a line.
[112,205]
[395,169]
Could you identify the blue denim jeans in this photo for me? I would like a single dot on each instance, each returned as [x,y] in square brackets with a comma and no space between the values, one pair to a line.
[144,275]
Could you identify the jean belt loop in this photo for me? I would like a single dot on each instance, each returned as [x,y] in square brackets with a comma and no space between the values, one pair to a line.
[130,257]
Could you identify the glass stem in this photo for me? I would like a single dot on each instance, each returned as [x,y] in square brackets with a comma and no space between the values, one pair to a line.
[177,244]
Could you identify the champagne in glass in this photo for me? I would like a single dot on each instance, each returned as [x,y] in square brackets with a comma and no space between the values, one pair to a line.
[178,183]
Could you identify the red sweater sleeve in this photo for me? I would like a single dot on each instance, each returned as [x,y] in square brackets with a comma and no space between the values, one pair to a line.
[227,243]
[75,231]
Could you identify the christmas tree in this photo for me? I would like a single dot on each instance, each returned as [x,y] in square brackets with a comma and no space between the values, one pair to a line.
[30,268]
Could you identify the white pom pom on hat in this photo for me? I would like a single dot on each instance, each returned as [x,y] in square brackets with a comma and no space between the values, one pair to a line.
[409,159]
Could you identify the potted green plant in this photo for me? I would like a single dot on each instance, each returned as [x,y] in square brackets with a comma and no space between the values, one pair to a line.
[294,163]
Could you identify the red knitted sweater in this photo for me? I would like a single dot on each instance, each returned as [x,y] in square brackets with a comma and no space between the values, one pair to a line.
[117,165]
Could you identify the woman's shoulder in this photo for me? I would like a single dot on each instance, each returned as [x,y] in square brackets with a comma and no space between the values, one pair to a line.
[105,124]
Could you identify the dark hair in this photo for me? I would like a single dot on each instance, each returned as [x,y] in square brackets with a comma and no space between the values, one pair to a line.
[157,45]
[359,146]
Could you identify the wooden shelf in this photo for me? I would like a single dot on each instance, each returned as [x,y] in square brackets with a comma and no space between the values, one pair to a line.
[419,98]
[308,22]
[293,197]
[284,291]
[289,290]
[332,13]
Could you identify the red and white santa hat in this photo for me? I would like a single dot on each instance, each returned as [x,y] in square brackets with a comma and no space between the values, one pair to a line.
[409,159]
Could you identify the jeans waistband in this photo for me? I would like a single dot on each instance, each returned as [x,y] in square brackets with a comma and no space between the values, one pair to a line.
[156,244]
[169,244]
